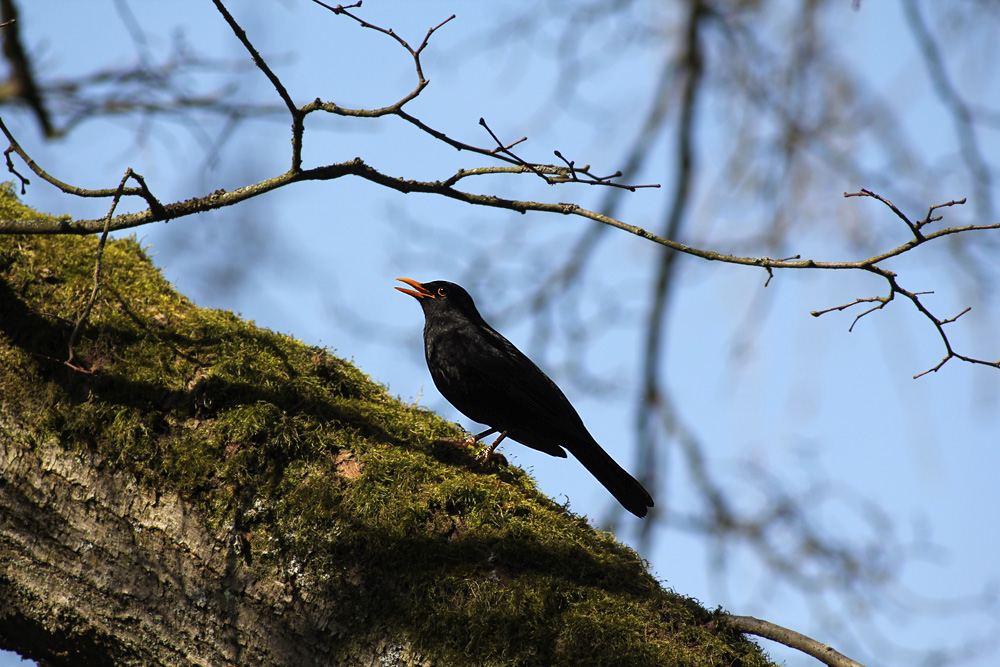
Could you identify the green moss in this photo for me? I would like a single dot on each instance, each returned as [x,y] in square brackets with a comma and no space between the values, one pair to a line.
[319,479]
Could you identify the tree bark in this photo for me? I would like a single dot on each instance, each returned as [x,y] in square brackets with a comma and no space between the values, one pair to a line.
[98,569]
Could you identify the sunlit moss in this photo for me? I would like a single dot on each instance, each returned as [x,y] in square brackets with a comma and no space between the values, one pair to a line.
[315,476]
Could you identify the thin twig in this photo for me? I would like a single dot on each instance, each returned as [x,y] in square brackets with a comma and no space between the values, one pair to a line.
[241,35]
[930,211]
[770,273]
[415,53]
[882,301]
[868,193]
[298,116]
[10,167]
[952,319]
[44,175]
[75,335]
[506,150]
[562,175]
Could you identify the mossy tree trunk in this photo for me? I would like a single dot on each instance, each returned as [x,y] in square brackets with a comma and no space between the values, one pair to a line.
[196,490]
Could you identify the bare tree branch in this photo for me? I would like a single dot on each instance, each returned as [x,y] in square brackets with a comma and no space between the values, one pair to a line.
[792,639]
[914,297]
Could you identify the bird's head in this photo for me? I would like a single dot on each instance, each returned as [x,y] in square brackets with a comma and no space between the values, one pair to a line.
[440,297]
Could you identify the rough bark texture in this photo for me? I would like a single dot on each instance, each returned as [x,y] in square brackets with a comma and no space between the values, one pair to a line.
[96,566]
[202,491]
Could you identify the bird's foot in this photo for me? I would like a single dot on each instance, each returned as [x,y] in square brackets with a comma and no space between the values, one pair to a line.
[489,454]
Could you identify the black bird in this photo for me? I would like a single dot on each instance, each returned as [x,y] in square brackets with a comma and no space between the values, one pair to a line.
[492,382]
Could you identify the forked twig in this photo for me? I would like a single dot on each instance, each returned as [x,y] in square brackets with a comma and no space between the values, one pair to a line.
[75,335]
[914,297]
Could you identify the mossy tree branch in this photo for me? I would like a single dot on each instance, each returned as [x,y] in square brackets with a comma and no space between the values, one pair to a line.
[215,493]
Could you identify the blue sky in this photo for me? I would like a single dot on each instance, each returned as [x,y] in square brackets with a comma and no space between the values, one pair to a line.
[798,396]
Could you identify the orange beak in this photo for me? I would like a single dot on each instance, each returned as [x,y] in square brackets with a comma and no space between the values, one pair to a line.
[421,291]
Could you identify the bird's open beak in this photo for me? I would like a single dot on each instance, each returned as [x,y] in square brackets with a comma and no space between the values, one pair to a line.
[421,291]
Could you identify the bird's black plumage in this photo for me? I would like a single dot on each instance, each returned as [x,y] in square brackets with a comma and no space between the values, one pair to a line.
[492,382]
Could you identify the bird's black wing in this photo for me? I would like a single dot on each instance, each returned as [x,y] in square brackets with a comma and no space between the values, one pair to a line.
[513,394]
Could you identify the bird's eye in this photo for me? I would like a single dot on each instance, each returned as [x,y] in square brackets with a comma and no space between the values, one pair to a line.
[442,291]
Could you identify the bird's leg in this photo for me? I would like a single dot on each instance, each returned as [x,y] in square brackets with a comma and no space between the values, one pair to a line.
[486,433]
[488,452]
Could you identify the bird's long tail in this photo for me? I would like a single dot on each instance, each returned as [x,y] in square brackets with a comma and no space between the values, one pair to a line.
[625,488]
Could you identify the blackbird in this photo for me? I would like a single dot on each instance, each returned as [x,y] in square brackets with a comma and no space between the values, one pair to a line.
[491,382]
